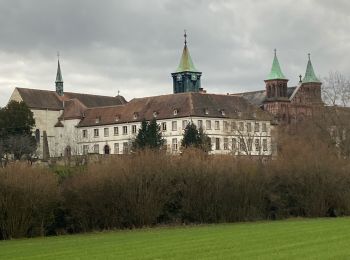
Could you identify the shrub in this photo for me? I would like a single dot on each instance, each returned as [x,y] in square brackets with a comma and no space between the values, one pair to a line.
[28,197]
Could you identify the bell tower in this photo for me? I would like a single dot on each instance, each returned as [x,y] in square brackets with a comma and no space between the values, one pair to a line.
[311,85]
[276,82]
[186,78]
[277,101]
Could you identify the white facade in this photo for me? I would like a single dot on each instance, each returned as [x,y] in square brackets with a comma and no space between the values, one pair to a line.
[228,136]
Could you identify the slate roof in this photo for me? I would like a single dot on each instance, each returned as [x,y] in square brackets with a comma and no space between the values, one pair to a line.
[257,98]
[46,99]
[186,104]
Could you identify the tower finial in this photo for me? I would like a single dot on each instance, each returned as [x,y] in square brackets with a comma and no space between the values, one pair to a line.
[58,55]
[185,35]
[309,56]
[275,51]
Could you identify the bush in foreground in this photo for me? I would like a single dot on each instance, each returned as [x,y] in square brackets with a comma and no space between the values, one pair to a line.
[150,188]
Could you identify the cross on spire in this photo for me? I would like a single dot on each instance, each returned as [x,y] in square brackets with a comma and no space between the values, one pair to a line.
[309,56]
[185,36]
[275,51]
[58,55]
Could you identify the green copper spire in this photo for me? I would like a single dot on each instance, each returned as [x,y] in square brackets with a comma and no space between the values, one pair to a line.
[59,74]
[186,63]
[59,79]
[310,74]
[276,72]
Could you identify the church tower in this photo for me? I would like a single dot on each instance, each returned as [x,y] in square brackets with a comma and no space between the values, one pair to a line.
[186,78]
[311,85]
[277,101]
[59,80]
[276,82]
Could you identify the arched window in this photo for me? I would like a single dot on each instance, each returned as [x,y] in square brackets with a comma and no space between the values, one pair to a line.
[68,151]
[106,149]
[37,135]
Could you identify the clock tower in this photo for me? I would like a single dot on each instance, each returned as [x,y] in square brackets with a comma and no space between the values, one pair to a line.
[186,78]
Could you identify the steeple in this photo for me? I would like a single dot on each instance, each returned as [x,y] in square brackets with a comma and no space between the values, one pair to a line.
[310,76]
[186,63]
[276,82]
[187,77]
[59,79]
[311,85]
[276,72]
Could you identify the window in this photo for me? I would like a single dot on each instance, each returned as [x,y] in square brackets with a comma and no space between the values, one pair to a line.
[164,126]
[249,127]
[96,148]
[125,148]
[208,125]
[234,144]
[257,145]
[200,124]
[206,111]
[223,112]
[241,126]
[256,127]
[155,114]
[106,132]
[175,112]
[217,125]
[241,144]
[174,125]
[264,127]
[85,133]
[226,126]
[116,148]
[116,130]
[133,129]
[184,124]
[250,144]
[233,126]
[225,143]
[136,115]
[174,144]
[97,120]
[85,149]
[217,143]
[125,130]
[96,133]
[265,144]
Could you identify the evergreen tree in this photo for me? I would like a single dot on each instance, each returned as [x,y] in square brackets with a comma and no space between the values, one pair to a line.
[149,136]
[16,124]
[195,138]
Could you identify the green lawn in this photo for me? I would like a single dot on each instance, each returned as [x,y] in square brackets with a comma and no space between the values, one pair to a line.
[289,239]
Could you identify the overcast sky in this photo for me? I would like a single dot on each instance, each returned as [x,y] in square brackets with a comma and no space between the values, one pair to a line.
[133,45]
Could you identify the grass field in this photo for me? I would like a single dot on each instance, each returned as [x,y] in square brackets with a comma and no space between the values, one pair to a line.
[289,239]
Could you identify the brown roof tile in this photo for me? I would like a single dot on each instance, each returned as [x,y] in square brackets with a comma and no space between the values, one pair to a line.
[46,99]
[186,104]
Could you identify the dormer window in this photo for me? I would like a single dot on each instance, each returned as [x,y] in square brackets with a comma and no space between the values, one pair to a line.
[206,111]
[239,113]
[98,120]
[136,115]
[179,77]
[223,112]
[117,118]
[175,112]
[155,114]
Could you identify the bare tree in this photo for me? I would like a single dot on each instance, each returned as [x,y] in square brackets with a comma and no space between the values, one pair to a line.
[336,90]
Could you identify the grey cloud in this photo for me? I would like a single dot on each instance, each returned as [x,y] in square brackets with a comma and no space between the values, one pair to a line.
[134,45]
